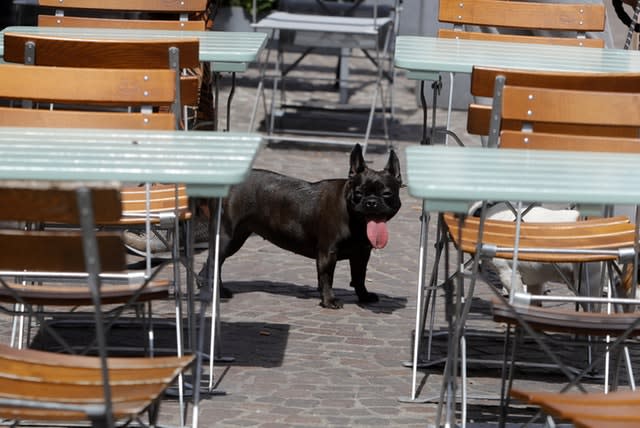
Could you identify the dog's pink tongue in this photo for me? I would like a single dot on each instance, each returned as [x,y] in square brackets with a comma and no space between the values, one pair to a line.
[377,233]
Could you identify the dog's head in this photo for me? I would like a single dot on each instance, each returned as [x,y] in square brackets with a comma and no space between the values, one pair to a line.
[374,196]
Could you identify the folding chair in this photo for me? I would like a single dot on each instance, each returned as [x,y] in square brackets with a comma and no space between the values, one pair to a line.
[338,29]
[614,410]
[107,99]
[478,123]
[144,14]
[188,15]
[514,22]
[611,241]
[176,54]
[59,388]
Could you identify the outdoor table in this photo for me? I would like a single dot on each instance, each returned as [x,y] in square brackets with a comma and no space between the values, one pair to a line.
[207,162]
[449,179]
[424,58]
[226,51]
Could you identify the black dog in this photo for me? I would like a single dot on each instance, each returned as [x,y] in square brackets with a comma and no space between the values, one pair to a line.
[329,220]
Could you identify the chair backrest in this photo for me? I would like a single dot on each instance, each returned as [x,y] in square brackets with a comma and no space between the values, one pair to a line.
[167,14]
[575,107]
[51,250]
[577,18]
[71,387]
[175,54]
[99,53]
[95,90]
[482,85]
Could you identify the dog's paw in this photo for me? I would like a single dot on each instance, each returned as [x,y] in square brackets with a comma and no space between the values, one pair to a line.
[367,297]
[332,304]
[225,293]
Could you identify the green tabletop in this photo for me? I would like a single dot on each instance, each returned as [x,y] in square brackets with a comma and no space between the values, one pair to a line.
[207,162]
[227,51]
[449,178]
[422,55]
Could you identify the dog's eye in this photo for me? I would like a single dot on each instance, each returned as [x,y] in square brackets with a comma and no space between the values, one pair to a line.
[387,195]
[357,194]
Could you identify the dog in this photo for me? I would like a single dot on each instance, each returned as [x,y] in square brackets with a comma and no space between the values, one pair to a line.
[533,276]
[328,220]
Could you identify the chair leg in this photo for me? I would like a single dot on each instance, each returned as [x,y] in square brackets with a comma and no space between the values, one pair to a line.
[508,373]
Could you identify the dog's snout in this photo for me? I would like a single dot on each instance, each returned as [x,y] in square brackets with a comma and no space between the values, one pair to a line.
[371,203]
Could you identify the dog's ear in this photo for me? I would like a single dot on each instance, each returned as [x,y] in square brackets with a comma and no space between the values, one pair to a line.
[357,163]
[393,166]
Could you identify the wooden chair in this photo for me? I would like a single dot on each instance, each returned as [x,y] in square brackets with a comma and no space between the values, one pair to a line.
[516,22]
[482,86]
[576,19]
[612,240]
[186,15]
[97,90]
[124,75]
[615,410]
[168,15]
[71,388]
[70,52]
[100,98]
[120,54]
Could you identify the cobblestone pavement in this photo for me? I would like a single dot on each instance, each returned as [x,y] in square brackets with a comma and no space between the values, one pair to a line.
[297,364]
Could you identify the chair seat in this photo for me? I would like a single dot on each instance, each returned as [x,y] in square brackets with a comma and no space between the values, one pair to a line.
[592,234]
[616,409]
[565,320]
[71,295]
[162,199]
[71,379]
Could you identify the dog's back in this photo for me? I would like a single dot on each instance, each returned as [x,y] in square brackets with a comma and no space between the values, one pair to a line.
[284,210]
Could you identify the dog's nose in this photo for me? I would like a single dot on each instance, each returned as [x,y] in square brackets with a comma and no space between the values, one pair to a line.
[371,203]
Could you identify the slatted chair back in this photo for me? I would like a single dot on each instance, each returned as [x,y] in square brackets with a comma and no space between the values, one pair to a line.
[97,91]
[166,15]
[577,18]
[186,15]
[111,66]
[482,85]
[68,388]
[539,108]
[595,103]
[101,98]
[176,54]
[97,98]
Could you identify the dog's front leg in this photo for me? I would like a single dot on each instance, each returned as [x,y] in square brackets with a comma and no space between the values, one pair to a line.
[358,264]
[326,265]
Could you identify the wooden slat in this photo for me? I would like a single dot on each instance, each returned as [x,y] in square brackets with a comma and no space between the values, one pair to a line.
[55,294]
[142,24]
[571,106]
[587,235]
[519,38]
[483,79]
[101,53]
[130,5]
[57,252]
[618,409]
[565,321]
[548,141]
[162,197]
[55,204]
[59,378]
[128,87]
[522,14]
[85,119]
[479,117]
